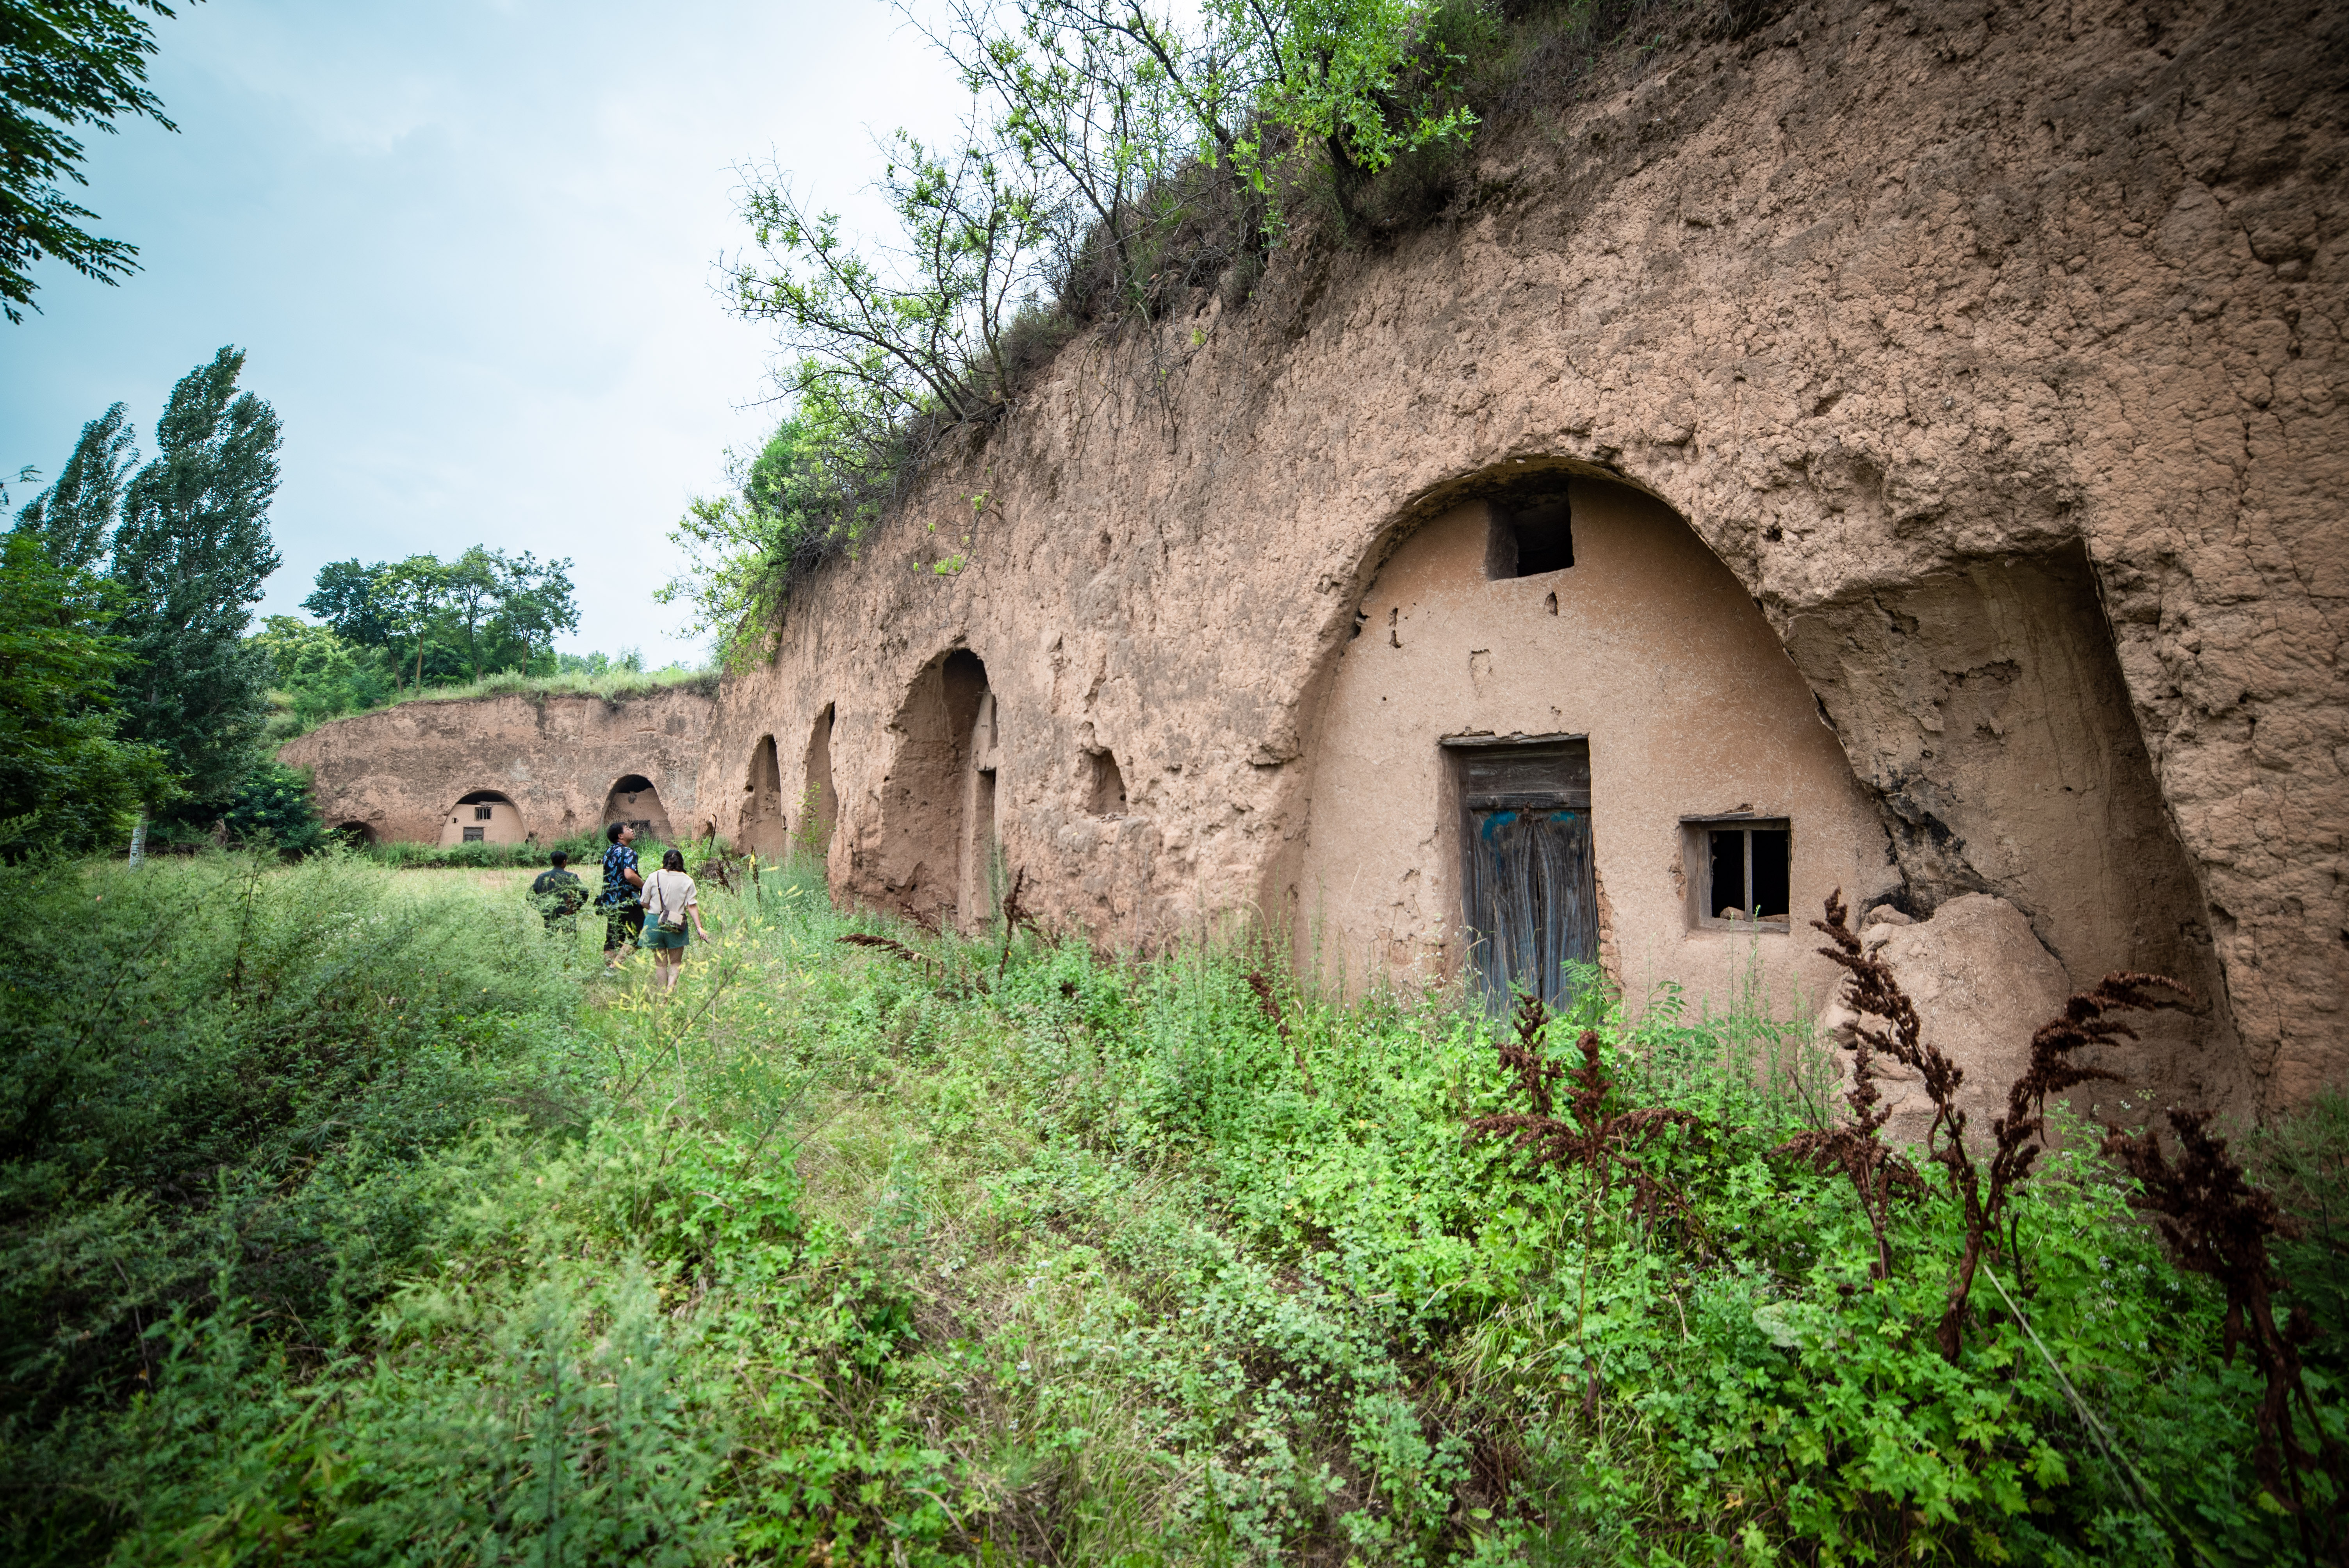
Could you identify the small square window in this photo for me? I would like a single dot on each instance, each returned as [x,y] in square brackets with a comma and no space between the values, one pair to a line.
[474,835]
[1740,872]
[1530,537]
[483,813]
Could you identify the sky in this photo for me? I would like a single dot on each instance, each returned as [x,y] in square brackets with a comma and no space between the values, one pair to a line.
[468,249]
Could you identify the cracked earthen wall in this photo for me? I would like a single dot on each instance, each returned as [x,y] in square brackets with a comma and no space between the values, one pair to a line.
[2019,325]
[1996,351]
[400,773]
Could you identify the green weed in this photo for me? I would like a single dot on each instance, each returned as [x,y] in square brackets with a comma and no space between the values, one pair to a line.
[349,1223]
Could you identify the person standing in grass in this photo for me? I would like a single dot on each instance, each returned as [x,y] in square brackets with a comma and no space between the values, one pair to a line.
[559,894]
[624,917]
[668,902]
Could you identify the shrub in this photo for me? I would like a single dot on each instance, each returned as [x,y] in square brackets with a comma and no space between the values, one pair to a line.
[219,1084]
[917,1250]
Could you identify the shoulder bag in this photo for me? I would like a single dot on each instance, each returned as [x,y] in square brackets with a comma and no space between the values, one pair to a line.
[669,926]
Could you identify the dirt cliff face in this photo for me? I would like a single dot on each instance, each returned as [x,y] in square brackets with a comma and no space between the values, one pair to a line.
[1997,352]
[546,768]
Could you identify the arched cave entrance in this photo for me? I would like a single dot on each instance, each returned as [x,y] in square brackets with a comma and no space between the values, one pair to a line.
[354,835]
[1563,728]
[820,804]
[634,800]
[1564,735]
[939,798]
[483,816]
[764,827]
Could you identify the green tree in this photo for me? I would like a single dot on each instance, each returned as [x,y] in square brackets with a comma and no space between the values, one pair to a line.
[66,779]
[74,517]
[506,607]
[536,601]
[411,593]
[191,555]
[317,674]
[272,806]
[349,600]
[64,64]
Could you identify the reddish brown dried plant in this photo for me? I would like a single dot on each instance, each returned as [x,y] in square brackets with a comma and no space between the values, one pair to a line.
[2218,1224]
[895,949]
[1015,915]
[1604,1145]
[1271,1004]
[1877,1171]
[2018,1138]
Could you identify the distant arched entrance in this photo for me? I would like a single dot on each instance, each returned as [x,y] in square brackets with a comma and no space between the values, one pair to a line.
[937,802]
[354,835]
[819,808]
[483,816]
[634,800]
[764,825]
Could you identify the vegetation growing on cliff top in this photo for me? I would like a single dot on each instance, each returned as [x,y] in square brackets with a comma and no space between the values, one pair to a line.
[1117,163]
[353,1222]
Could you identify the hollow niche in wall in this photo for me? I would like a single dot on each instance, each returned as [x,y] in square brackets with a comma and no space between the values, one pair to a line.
[819,805]
[634,800]
[937,810]
[1565,679]
[482,817]
[764,830]
[1104,784]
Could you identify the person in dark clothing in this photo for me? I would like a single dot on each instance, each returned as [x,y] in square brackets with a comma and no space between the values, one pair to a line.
[559,894]
[624,917]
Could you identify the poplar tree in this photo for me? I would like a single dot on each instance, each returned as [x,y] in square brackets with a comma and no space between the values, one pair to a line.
[190,555]
[74,518]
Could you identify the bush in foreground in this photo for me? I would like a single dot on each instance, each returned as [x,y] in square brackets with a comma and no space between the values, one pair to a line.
[924,1250]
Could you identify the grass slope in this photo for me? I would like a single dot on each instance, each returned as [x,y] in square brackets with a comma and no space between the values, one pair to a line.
[349,1219]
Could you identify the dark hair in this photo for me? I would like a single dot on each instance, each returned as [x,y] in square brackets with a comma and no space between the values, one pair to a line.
[558,860]
[673,860]
[611,833]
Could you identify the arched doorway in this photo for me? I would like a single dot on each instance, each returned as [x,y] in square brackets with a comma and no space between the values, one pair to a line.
[1566,735]
[354,835]
[934,796]
[764,827]
[483,816]
[819,805]
[634,800]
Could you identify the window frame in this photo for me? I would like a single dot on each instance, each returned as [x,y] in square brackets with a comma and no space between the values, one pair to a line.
[1696,866]
[472,835]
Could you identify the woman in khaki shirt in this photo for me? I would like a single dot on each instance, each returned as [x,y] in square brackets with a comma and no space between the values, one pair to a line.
[668,900]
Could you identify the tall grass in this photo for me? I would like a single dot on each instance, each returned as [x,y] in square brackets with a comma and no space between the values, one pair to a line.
[1005,1249]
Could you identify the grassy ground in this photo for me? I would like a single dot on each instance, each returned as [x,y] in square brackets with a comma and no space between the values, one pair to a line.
[349,1219]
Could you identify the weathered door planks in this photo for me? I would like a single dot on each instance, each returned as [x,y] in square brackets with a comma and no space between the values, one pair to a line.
[1532,890]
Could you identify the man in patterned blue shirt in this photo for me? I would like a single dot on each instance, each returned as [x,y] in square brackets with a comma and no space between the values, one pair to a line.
[624,917]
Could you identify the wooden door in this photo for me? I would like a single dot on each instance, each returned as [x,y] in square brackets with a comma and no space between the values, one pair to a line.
[1531,888]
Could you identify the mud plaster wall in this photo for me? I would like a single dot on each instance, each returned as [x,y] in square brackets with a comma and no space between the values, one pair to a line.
[1648,647]
[400,771]
[1878,298]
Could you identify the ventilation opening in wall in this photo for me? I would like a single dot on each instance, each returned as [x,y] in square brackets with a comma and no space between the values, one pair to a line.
[1740,872]
[1108,786]
[1530,537]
